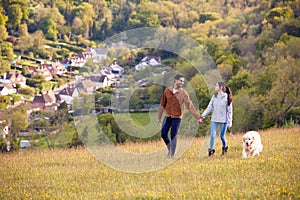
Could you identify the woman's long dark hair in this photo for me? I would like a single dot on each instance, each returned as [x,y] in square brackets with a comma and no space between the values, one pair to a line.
[227,90]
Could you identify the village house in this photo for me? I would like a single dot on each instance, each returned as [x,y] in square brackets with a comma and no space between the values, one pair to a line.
[48,101]
[85,86]
[98,54]
[68,94]
[151,61]
[4,132]
[14,78]
[7,88]
[85,55]
[99,81]
[56,68]
[116,69]
[74,61]
[41,69]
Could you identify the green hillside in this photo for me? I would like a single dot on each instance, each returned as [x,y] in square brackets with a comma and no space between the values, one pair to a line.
[254,44]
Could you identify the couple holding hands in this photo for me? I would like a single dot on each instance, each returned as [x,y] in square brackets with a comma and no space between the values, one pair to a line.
[172,102]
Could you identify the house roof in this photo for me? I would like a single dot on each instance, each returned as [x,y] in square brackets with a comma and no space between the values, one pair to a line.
[69,91]
[85,84]
[58,98]
[148,58]
[9,75]
[44,98]
[100,51]
[7,85]
[96,78]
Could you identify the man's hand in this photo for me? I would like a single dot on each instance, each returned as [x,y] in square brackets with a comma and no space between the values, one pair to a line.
[159,122]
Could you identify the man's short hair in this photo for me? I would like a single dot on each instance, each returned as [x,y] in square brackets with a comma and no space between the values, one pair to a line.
[178,76]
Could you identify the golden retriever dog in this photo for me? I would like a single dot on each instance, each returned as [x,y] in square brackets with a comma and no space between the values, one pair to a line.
[252,145]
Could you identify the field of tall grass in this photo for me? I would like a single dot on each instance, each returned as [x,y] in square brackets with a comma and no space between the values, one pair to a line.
[77,174]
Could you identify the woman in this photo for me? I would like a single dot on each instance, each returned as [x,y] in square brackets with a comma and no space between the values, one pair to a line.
[221,105]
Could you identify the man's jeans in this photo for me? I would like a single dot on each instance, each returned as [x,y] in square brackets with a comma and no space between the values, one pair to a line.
[174,124]
[213,131]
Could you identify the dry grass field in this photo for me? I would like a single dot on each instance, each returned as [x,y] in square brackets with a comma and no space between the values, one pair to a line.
[77,174]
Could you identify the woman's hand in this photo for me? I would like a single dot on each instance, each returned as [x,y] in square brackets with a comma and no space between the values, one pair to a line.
[201,120]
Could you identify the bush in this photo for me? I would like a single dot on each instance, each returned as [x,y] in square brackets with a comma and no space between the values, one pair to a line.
[27,91]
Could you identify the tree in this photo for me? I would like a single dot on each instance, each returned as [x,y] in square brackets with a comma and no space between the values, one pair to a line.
[239,81]
[36,82]
[15,16]
[230,59]
[278,15]
[25,42]
[285,92]
[18,121]
[3,31]
[225,71]
[4,101]
[23,30]
[214,48]
[6,50]
[76,141]
[86,13]
[155,91]
[145,17]
[27,91]
[57,120]
[110,128]
[39,39]
[4,65]
[77,26]
[49,27]
[201,89]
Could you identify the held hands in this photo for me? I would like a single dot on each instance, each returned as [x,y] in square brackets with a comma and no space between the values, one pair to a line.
[159,122]
[201,120]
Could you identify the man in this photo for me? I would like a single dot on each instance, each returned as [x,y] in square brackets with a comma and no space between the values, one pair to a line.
[172,102]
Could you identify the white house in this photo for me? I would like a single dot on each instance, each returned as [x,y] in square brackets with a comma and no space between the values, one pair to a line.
[141,65]
[152,60]
[100,81]
[98,54]
[4,132]
[68,94]
[7,88]
[148,60]
[13,78]
[116,69]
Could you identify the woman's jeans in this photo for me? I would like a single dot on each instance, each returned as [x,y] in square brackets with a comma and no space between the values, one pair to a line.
[213,131]
[174,124]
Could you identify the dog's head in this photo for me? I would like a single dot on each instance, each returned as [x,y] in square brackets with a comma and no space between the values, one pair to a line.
[248,140]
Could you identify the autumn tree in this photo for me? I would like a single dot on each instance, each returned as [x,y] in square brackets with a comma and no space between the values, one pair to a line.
[284,93]
[3,31]
[18,121]
[86,13]
[49,27]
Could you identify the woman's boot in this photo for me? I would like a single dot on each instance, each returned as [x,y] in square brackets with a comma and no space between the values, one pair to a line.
[224,151]
[211,152]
